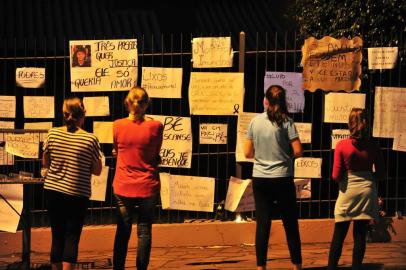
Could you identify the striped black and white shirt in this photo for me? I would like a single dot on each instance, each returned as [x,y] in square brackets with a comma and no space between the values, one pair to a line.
[71,158]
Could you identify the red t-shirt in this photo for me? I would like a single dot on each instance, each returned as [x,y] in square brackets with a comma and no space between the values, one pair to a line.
[353,155]
[137,145]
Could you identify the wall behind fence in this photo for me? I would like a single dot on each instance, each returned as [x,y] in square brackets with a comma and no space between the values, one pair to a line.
[274,52]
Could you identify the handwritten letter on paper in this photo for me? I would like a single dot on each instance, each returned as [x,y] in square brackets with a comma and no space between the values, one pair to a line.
[244,119]
[308,167]
[382,58]
[38,107]
[103,65]
[176,150]
[332,64]
[293,84]
[7,106]
[96,106]
[103,131]
[213,134]
[10,216]
[162,82]
[219,93]
[337,106]
[30,77]
[184,192]
[212,52]
[23,145]
[305,132]
[389,111]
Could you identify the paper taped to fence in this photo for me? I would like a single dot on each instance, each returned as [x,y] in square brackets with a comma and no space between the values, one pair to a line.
[212,133]
[5,158]
[337,106]
[212,52]
[338,135]
[97,106]
[216,93]
[11,210]
[185,192]
[162,82]
[292,82]
[7,106]
[305,132]
[332,64]
[99,185]
[382,57]
[308,167]
[240,197]
[103,131]
[30,77]
[39,107]
[23,145]
[244,119]
[103,65]
[39,125]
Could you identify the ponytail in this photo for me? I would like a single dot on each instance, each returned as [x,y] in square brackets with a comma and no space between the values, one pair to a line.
[277,110]
[73,111]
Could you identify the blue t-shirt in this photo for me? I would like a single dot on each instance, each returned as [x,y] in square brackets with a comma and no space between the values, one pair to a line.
[273,152]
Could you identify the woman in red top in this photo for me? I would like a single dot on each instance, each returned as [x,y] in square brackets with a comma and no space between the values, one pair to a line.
[137,142]
[357,199]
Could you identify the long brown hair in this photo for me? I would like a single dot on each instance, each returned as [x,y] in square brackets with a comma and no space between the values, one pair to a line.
[73,111]
[277,110]
[358,124]
[136,97]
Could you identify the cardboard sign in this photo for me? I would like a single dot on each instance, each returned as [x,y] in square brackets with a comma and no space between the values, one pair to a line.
[30,77]
[337,106]
[213,133]
[7,106]
[332,64]
[307,167]
[382,58]
[103,65]
[305,132]
[185,192]
[162,82]
[212,52]
[39,107]
[240,197]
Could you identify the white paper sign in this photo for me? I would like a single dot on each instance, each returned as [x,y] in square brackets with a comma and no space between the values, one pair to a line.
[23,145]
[338,135]
[103,65]
[5,158]
[240,197]
[382,58]
[10,217]
[213,133]
[337,106]
[292,82]
[185,192]
[389,111]
[303,188]
[39,107]
[220,93]
[103,131]
[99,185]
[244,119]
[305,132]
[162,82]
[308,167]
[176,150]
[30,77]
[39,125]
[96,106]
[212,52]
[7,106]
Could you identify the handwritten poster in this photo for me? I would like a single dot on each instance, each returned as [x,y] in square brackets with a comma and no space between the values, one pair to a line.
[185,192]
[303,188]
[220,93]
[213,133]
[337,106]
[39,107]
[10,215]
[99,185]
[176,150]
[162,82]
[240,197]
[292,82]
[307,167]
[97,106]
[382,57]
[39,125]
[7,106]
[103,65]
[389,110]
[244,120]
[338,135]
[30,77]
[305,132]
[5,158]
[103,131]
[212,52]
[23,145]
[332,64]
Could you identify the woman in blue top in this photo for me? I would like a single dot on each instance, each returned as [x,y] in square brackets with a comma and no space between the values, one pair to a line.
[273,142]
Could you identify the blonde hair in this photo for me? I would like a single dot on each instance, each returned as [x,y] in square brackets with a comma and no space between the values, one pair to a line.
[73,111]
[137,97]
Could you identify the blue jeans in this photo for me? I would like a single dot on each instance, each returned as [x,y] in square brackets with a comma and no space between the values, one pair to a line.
[125,212]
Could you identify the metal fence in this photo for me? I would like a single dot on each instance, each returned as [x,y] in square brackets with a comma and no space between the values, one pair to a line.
[274,52]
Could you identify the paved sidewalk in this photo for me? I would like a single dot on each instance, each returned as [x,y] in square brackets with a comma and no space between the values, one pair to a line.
[378,256]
